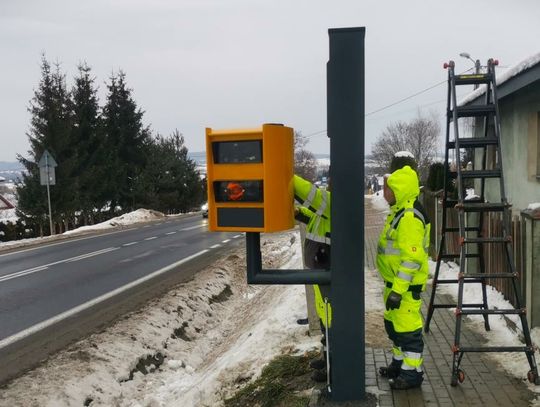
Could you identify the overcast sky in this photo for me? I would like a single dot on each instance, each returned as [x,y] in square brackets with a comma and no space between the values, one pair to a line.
[240,63]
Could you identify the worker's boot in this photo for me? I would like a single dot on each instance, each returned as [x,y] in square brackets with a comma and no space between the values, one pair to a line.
[407,379]
[318,364]
[319,376]
[392,370]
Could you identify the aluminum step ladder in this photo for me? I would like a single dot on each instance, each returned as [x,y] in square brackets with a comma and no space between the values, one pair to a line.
[471,238]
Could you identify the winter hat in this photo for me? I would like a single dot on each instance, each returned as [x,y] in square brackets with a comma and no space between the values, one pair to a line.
[401,159]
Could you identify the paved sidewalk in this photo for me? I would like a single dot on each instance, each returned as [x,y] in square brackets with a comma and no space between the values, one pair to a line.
[486,383]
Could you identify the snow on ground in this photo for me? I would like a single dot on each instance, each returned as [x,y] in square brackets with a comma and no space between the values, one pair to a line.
[505,329]
[534,206]
[192,347]
[140,215]
[196,341]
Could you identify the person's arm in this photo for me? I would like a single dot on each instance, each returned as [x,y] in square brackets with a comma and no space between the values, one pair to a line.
[302,214]
[311,197]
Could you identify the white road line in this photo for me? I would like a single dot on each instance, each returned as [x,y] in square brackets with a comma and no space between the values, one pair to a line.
[237,236]
[22,273]
[64,242]
[46,266]
[214,246]
[226,241]
[73,311]
[151,238]
[192,227]
[129,244]
[146,226]
[85,256]
[170,233]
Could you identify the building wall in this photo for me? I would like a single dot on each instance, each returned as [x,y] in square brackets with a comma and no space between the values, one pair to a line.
[520,127]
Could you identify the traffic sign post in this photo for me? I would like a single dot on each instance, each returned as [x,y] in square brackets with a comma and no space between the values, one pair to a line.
[47,177]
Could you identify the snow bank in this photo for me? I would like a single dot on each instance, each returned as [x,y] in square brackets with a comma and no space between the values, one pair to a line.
[187,348]
[140,215]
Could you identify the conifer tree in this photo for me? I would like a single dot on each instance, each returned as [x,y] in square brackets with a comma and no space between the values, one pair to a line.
[50,129]
[127,143]
[89,144]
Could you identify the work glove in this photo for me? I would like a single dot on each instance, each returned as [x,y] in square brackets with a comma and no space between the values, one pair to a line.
[393,301]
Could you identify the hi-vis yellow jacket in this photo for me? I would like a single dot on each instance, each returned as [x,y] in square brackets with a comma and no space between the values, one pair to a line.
[402,253]
[315,213]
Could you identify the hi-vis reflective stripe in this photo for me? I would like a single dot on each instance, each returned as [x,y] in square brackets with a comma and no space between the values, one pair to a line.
[398,218]
[389,249]
[317,238]
[412,355]
[405,276]
[412,361]
[397,354]
[322,208]
[410,265]
[310,196]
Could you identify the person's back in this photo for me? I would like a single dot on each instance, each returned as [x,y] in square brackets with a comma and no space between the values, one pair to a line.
[402,263]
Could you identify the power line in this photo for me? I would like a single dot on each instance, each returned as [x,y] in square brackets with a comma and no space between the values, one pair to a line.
[392,104]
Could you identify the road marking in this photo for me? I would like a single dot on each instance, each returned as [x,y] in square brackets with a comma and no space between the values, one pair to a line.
[237,236]
[96,253]
[64,242]
[170,233]
[22,273]
[192,227]
[146,226]
[73,311]
[151,238]
[226,241]
[46,266]
[214,246]
[129,244]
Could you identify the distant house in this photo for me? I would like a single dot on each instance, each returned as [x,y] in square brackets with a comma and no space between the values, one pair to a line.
[518,90]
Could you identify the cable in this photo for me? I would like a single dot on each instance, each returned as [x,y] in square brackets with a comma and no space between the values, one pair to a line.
[392,104]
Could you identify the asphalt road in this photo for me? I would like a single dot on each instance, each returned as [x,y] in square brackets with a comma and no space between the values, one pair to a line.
[42,285]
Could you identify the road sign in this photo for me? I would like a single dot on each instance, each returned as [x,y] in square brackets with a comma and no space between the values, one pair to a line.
[47,160]
[47,177]
[46,166]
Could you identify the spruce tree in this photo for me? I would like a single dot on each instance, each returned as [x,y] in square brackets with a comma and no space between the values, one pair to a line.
[89,144]
[127,143]
[50,129]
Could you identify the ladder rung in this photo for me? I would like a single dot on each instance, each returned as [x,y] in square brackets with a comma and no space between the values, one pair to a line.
[489,275]
[482,206]
[494,349]
[457,255]
[473,111]
[467,229]
[472,79]
[486,240]
[455,305]
[474,142]
[491,311]
[477,174]
[455,281]
[450,203]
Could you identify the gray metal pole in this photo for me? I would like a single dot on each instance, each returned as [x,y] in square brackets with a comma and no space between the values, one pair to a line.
[345,104]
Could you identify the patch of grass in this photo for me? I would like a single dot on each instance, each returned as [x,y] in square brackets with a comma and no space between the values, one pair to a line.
[282,383]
